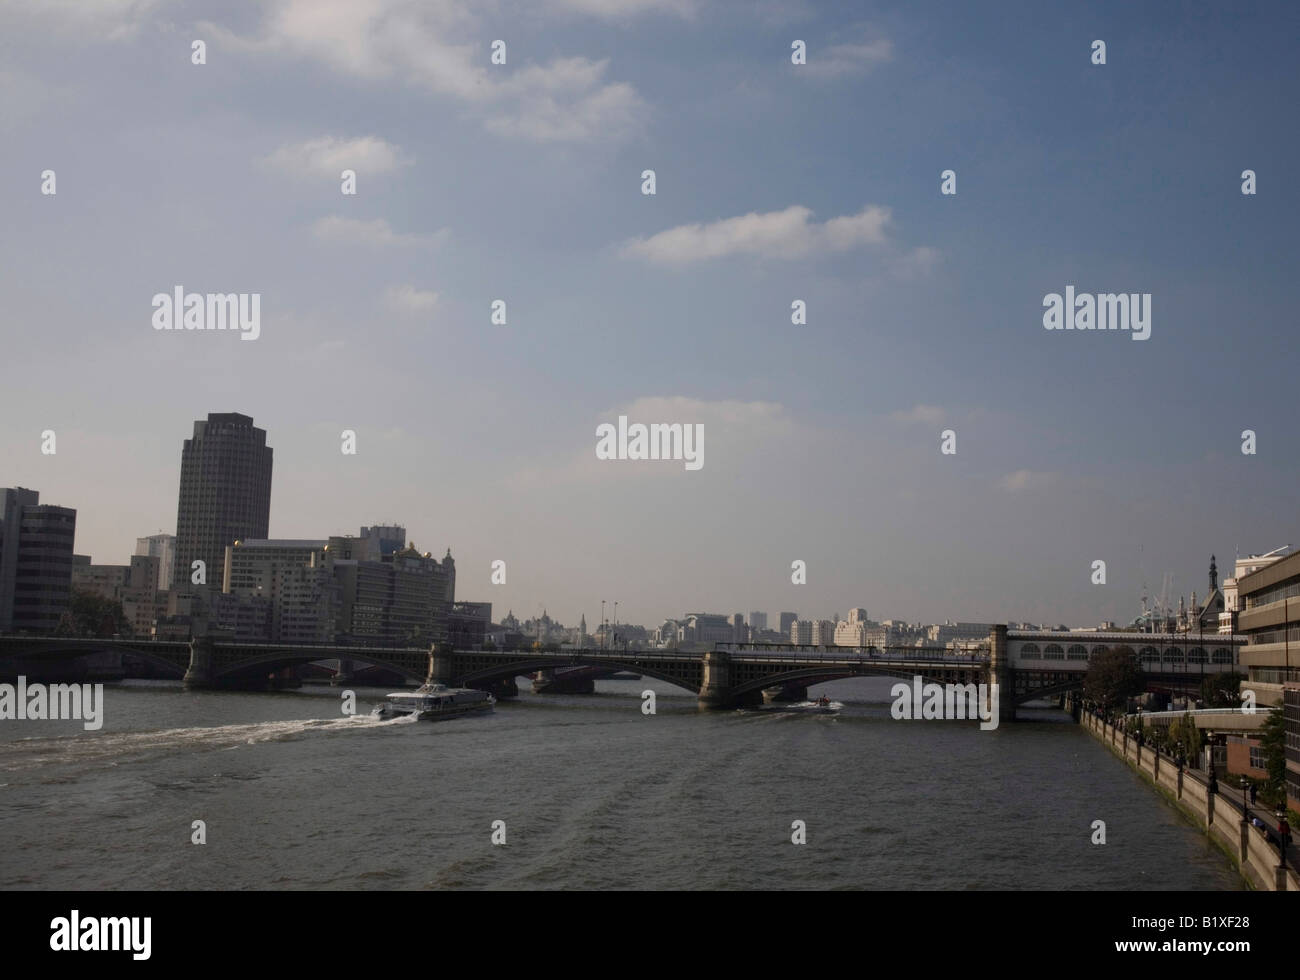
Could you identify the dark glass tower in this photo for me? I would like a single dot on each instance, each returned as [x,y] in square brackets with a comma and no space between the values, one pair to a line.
[225,493]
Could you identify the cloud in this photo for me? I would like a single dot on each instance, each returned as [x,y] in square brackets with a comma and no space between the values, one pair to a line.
[775,234]
[1026,480]
[629,8]
[420,44]
[112,20]
[917,263]
[327,156]
[408,299]
[846,59]
[375,234]
[929,414]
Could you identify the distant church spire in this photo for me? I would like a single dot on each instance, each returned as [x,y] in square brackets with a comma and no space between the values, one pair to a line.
[1214,575]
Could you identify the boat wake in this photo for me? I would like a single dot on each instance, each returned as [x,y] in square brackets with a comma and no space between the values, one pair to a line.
[115,747]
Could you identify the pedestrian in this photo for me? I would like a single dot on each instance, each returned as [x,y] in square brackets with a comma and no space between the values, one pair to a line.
[1252,794]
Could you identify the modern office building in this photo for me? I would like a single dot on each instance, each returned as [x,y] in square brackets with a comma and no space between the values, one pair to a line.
[1291,725]
[162,547]
[1267,620]
[225,494]
[787,620]
[35,561]
[469,623]
[801,632]
[757,621]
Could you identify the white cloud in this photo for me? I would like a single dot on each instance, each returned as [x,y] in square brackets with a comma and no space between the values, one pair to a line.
[1026,480]
[420,43]
[846,59]
[929,414]
[774,234]
[375,233]
[327,156]
[919,262]
[408,299]
[629,8]
[112,20]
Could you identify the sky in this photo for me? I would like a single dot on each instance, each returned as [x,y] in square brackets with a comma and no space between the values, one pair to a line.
[774,182]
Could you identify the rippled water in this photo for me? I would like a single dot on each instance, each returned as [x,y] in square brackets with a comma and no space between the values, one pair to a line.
[593,793]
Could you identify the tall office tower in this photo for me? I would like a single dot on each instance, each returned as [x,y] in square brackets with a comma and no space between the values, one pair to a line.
[35,561]
[758,621]
[225,494]
[162,547]
[787,620]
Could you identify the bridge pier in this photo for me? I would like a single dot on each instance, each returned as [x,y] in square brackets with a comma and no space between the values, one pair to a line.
[345,673]
[1001,673]
[715,691]
[199,673]
[441,667]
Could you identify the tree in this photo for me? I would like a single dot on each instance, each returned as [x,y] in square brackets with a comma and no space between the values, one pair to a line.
[90,614]
[1272,742]
[1222,690]
[1186,738]
[1114,675]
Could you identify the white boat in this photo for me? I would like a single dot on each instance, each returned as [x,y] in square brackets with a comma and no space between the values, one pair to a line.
[434,702]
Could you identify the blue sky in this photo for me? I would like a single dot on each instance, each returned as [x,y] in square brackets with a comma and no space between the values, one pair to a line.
[522,182]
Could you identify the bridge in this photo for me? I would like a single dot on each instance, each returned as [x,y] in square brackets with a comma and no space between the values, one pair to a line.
[1026,665]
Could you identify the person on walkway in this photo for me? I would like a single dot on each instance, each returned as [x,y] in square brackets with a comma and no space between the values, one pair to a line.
[1252,794]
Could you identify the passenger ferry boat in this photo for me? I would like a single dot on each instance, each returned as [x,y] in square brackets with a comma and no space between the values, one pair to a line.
[434,702]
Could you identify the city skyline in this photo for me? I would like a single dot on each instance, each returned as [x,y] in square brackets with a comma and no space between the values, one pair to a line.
[924,311]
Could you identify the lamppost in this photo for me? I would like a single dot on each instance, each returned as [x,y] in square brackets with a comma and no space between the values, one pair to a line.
[1283,831]
[1245,807]
[603,631]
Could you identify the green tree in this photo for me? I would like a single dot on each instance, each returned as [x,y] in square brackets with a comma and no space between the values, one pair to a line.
[1272,742]
[1185,737]
[90,614]
[1222,690]
[1114,675]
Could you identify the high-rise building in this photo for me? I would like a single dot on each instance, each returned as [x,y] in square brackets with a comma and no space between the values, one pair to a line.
[35,561]
[757,621]
[787,620]
[162,547]
[225,494]
[823,632]
[800,631]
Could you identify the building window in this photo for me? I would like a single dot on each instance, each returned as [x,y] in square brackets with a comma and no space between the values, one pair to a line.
[1053,651]
[1077,652]
[1149,655]
[1029,651]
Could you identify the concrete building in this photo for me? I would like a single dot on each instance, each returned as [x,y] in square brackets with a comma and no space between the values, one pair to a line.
[35,561]
[162,547]
[225,493]
[1291,724]
[801,632]
[787,620]
[823,632]
[1270,623]
[757,621]
[852,632]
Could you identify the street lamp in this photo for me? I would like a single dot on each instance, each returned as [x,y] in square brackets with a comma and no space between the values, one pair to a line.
[1283,831]
[1245,807]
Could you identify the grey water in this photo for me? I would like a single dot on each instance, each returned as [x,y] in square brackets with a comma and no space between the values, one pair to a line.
[593,794]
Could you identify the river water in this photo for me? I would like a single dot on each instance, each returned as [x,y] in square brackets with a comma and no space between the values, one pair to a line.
[593,794]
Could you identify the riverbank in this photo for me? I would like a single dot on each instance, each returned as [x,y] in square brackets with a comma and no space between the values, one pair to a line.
[1248,847]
